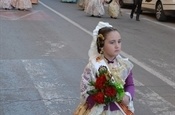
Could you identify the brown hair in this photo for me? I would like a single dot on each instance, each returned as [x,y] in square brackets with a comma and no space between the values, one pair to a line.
[102,33]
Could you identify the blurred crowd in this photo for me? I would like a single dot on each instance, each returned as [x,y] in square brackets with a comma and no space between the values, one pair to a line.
[15,4]
[95,8]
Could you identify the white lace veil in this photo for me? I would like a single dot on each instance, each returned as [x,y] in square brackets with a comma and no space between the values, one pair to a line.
[93,48]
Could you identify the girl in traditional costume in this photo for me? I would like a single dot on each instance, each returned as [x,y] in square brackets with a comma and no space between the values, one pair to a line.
[22,4]
[114,8]
[107,86]
[95,8]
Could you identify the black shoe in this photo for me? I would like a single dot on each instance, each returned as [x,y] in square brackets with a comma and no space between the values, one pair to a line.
[92,15]
[99,16]
[137,18]
[131,16]
[113,17]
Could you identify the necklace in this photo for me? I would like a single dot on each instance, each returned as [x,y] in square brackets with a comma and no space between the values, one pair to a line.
[109,61]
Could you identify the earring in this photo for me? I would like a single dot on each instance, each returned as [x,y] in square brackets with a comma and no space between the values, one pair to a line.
[101,51]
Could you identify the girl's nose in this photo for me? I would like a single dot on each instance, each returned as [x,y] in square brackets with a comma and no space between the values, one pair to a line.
[116,45]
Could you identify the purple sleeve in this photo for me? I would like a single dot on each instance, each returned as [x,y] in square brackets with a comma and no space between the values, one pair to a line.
[90,102]
[129,85]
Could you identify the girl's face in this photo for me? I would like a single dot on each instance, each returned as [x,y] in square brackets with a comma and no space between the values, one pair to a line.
[112,45]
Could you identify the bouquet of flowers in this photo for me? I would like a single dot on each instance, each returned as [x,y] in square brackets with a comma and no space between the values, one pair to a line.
[106,89]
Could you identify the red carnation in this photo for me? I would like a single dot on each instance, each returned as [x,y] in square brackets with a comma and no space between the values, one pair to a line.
[100,82]
[110,91]
[99,98]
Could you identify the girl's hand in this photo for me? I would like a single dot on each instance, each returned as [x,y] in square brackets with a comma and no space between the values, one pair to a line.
[125,100]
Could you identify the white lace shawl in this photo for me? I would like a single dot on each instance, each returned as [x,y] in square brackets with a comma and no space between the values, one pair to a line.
[89,75]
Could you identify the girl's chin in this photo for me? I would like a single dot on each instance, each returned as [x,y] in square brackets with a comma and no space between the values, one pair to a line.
[116,53]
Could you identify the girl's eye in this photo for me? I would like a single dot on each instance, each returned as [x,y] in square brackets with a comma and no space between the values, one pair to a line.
[119,41]
[112,42]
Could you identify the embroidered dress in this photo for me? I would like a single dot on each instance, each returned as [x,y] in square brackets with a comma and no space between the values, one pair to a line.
[95,7]
[123,68]
[22,4]
[5,4]
[114,9]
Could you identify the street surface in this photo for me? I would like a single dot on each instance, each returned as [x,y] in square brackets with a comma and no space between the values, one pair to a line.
[43,53]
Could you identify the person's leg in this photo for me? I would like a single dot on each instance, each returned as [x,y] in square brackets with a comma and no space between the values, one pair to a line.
[133,8]
[138,9]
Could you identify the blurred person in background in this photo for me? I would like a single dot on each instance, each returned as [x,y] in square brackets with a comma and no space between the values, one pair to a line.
[114,8]
[95,8]
[5,4]
[22,4]
[137,4]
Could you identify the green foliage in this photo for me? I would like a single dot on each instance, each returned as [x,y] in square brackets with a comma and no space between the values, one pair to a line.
[91,92]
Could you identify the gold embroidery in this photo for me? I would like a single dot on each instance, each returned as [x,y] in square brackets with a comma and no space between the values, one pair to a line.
[117,72]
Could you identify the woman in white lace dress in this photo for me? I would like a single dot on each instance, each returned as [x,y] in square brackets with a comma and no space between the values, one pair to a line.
[95,8]
[22,4]
[5,4]
[114,8]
